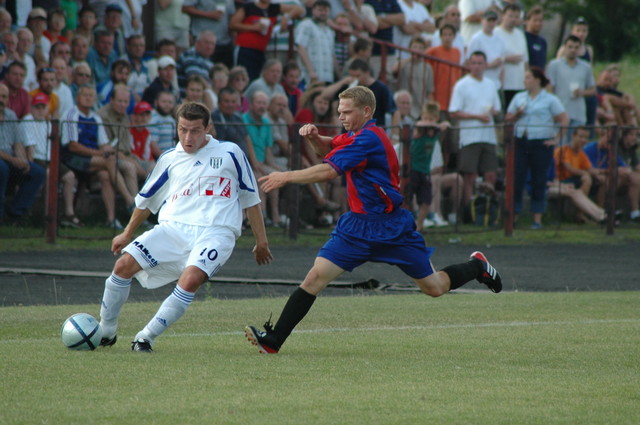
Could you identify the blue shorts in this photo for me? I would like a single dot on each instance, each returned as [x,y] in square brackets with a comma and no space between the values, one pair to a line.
[389,238]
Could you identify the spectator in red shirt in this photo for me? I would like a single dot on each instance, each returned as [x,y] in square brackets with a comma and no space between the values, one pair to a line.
[56,21]
[254,22]
[19,99]
[141,138]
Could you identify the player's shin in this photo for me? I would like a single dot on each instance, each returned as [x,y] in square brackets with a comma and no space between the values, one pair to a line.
[295,309]
[459,274]
[116,292]
[169,312]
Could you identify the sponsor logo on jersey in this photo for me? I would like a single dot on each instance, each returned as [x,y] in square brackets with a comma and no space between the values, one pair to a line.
[215,161]
[185,192]
[145,252]
[215,186]
[197,163]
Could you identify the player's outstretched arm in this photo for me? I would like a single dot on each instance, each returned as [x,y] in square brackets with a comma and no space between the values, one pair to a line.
[261,251]
[317,173]
[137,218]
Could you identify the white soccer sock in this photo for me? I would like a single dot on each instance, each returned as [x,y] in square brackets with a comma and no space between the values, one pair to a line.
[116,292]
[171,310]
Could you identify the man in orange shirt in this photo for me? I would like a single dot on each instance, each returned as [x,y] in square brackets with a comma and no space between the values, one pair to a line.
[572,164]
[46,83]
[445,77]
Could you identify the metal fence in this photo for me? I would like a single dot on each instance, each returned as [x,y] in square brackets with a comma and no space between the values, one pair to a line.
[45,211]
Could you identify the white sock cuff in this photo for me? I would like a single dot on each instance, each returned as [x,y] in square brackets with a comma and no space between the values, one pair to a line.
[119,281]
[183,296]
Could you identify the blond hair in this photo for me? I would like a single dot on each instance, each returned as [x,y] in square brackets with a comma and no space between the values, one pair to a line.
[431,108]
[361,96]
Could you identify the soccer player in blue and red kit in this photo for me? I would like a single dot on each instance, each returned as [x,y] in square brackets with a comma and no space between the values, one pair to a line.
[376,229]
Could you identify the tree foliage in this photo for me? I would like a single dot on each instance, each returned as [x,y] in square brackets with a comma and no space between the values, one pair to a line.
[614,27]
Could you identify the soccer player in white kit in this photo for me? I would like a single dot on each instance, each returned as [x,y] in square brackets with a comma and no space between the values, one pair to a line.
[200,189]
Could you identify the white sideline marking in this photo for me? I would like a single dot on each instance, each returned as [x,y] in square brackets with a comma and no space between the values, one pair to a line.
[384,328]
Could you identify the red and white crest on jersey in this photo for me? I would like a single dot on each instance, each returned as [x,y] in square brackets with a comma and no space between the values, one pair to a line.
[215,186]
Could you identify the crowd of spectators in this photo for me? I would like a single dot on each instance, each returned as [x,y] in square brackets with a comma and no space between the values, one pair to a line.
[263,66]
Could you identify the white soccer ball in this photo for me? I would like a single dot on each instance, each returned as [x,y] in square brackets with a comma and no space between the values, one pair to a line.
[81,332]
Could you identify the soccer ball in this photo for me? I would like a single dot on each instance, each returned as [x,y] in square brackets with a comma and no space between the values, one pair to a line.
[81,332]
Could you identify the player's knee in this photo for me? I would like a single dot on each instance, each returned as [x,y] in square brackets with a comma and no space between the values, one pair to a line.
[126,266]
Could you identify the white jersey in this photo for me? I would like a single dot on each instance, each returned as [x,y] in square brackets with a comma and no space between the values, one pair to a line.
[209,187]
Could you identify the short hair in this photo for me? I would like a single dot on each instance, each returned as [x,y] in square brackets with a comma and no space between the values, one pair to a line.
[534,11]
[580,128]
[17,63]
[87,9]
[256,93]
[219,67]
[479,53]
[359,65]
[228,91]
[431,108]
[513,7]
[167,92]
[121,63]
[291,65]
[362,44]
[237,71]
[399,93]
[572,38]
[418,39]
[195,78]
[102,33]
[86,87]
[78,37]
[120,88]
[269,63]
[361,97]
[448,26]
[134,37]
[193,111]
[165,42]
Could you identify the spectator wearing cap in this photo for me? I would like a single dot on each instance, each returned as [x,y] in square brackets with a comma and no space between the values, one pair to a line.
[37,23]
[491,45]
[141,138]
[113,24]
[46,84]
[25,42]
[196,60]
[36,125]
[15,163]
[18,96]
[101,56]
[164,80]
[472,12]
[164,47]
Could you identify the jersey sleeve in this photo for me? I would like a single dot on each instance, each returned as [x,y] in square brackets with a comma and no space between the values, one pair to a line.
[344,158]
[156,189]
[247,184]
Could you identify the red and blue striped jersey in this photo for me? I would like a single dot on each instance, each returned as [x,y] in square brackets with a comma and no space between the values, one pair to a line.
[369,163]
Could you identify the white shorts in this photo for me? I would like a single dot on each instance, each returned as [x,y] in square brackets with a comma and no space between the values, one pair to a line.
[166,250]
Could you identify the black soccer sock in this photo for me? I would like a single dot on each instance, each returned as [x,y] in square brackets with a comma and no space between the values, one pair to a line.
[459,274]
[293,312]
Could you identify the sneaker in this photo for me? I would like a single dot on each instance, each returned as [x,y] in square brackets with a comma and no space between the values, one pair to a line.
[115,224]
[108,342]
[141,345]
[427,223]
[262,339]
[536,225]
[489,276]
[439,221]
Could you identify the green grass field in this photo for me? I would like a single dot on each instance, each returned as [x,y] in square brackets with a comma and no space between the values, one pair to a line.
[517,358]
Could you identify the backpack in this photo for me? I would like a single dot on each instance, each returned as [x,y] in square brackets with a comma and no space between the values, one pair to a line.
[484,210]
